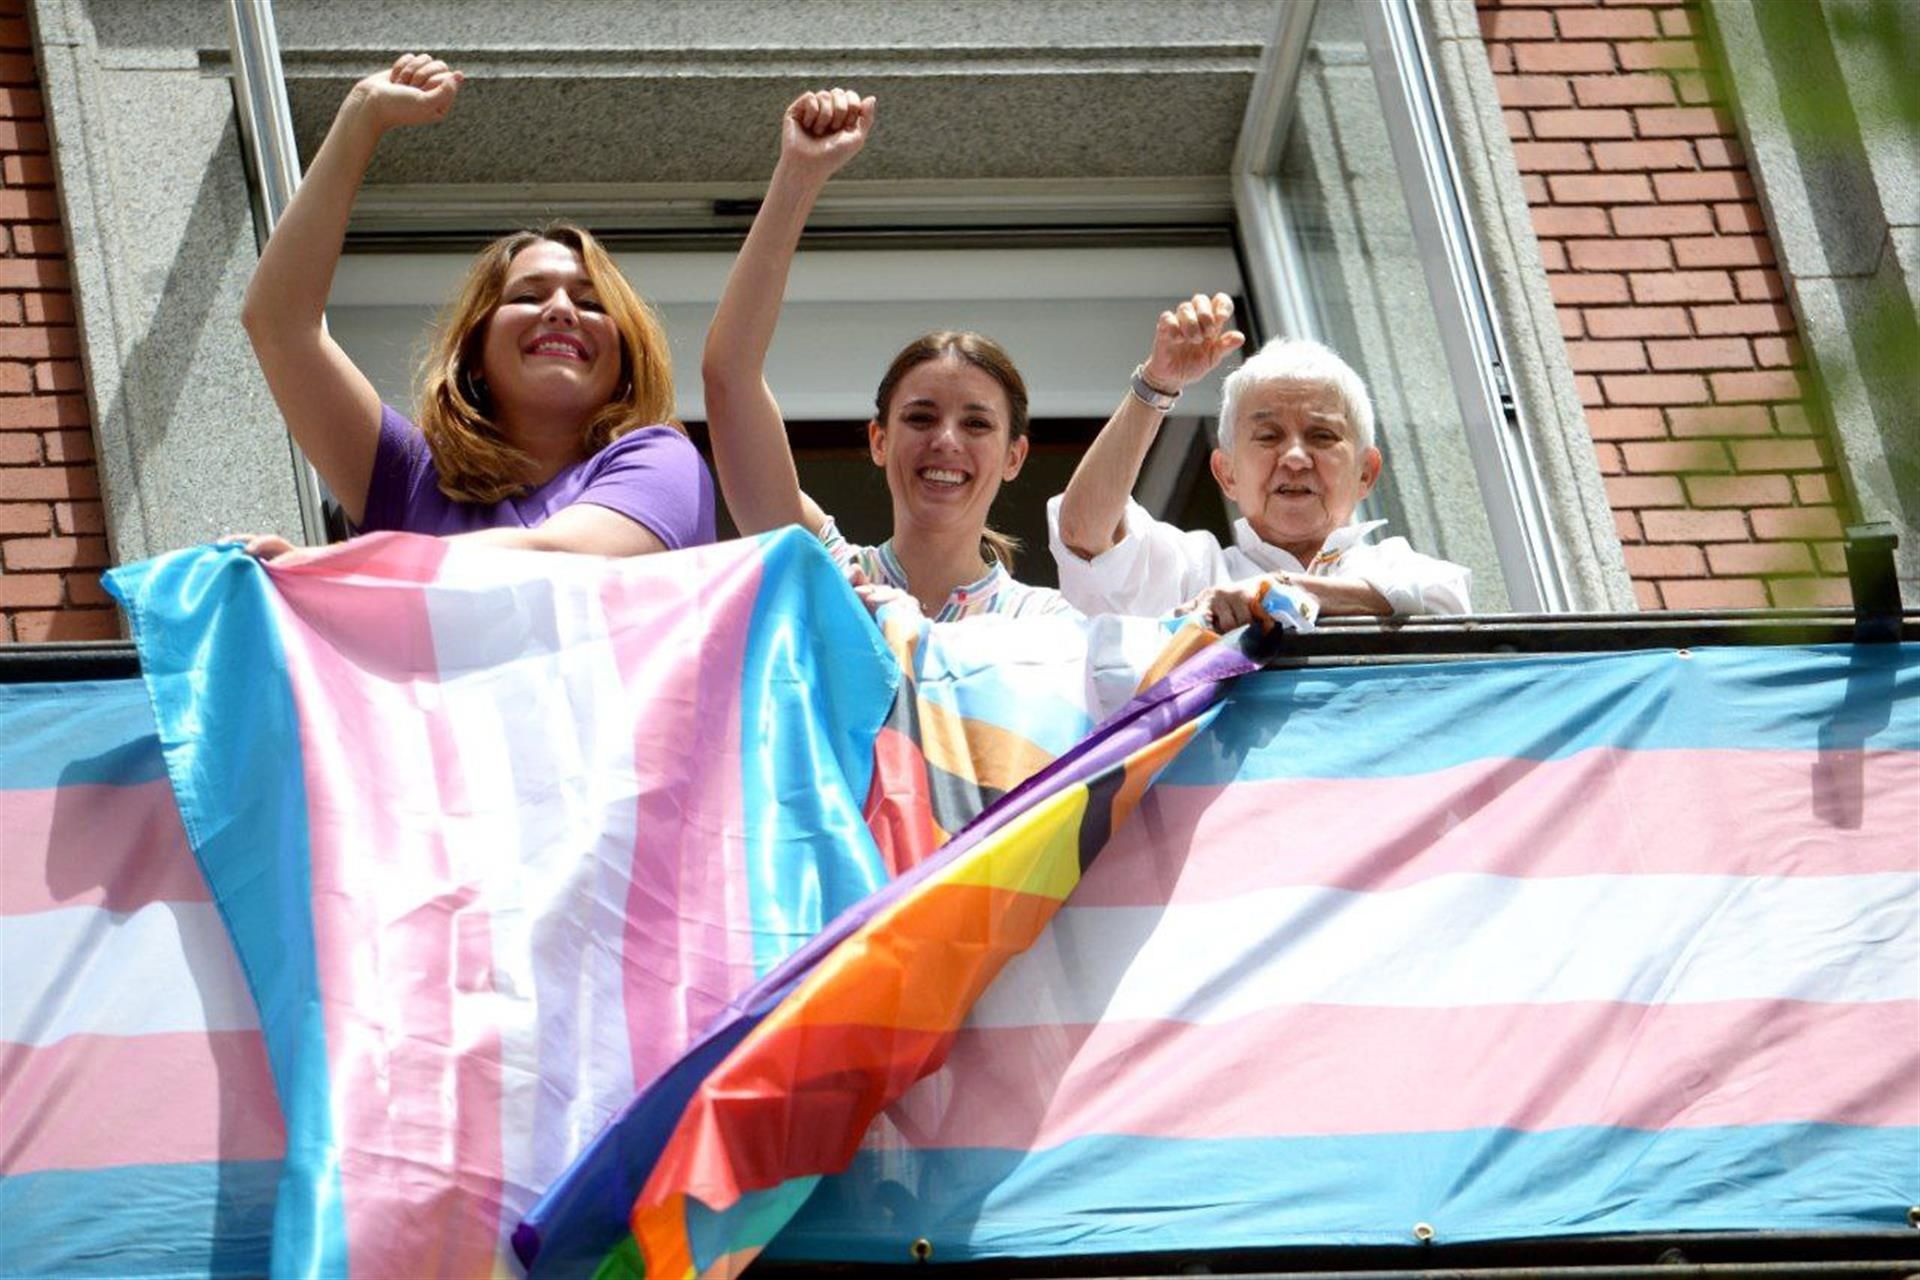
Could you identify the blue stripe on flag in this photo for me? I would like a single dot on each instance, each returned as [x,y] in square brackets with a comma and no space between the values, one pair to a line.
[217,675]
[145,1220]
[1397,721]
[809,854]
[97,732]
[1118,1194]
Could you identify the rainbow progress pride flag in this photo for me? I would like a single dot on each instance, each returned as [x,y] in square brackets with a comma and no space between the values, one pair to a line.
[1542,947]
[495,835]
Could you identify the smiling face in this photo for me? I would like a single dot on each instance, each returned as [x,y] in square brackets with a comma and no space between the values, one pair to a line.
[1296,469]
[945,446]
[551,353]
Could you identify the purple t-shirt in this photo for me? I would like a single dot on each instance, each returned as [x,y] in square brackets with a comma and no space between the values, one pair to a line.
[653,476]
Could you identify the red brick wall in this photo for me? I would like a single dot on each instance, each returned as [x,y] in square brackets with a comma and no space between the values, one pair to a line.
[52,529]
[1661,267]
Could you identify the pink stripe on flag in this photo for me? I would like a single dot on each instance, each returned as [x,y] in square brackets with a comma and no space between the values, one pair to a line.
[121,848]
[1333,1069]
[95,1102]
[1600,812]
[686,945]
[417,1105]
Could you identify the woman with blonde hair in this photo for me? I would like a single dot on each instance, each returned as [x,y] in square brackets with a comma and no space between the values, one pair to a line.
[546,395]
[950,417]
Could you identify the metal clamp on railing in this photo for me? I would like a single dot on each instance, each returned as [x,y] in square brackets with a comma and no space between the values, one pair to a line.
[1876,585]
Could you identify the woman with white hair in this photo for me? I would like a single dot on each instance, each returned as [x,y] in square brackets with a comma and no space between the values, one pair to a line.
[1296,454]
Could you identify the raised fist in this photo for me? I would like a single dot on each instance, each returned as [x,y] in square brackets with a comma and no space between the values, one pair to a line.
[822,131]
[1190,340]
[417,89]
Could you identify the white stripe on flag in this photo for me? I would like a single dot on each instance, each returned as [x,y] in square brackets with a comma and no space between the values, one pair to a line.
[83,971]
[1474,940]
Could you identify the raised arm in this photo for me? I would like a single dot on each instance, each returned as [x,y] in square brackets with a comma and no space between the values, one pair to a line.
[1187,343]
[330,407]
[819,133]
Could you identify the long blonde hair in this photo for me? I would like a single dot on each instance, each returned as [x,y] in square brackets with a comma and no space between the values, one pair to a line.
[986,355]
[478,464]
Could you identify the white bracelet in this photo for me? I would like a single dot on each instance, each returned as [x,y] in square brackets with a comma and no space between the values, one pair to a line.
[1148,394]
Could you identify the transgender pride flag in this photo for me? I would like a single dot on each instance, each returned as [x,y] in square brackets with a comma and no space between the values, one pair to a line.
[494,835]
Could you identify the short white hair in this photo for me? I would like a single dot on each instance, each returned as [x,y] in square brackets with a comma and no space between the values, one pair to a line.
[1302,361]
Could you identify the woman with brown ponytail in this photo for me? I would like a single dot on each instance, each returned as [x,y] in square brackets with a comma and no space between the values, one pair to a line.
[950,417]
[543,420]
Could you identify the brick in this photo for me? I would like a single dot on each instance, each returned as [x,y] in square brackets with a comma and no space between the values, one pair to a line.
[1811,593]
[1759,559]
[1814,489]
[19,449]
[1603,24]
[39,412]
[1694,526]
[27,171]
[11,311]
[1626,424]
[47,483]
[1516,24]
[35,204]
[1701,353]
[26,517]
[1676,23]
[20,103]
[1696,89]
[23,135]
[1587,290]
[85,589]
[1534,91]
[1659,55]
[1654,388]
[1571,325]
[1644,491]
[18,68]
[48,308]
[1663,220]
[1682,286]
[38,239]
[1720,420]
[1778,455]
[1607,458]
[1619,255]
[1719,153]
[1553,255]
[80,517]
[26,554]
[1689,187]
[1587,387]
[66,446]
[1626,524]
[1500,58]
[1517,126]
[1567,58]
[1738,491]
[1623,91]
[1643,155]
[1739,217]
[1760,286]
[1734,388]
[29,590]
[1674,457]
[25,273]
[1606,357]
[1551,157]
[1572,220]
[67,624]
[1582,124]
[1610,188]
[58,375]
[1637,322]
[1777,353]
[1830,556]
[1533,188]
[1795,522]
[15,378]
[1757,317]
[1670,561]
[1680,122]
[1647,595]
[37,343]
[1714,593]
[1792,420]
[1723,251]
